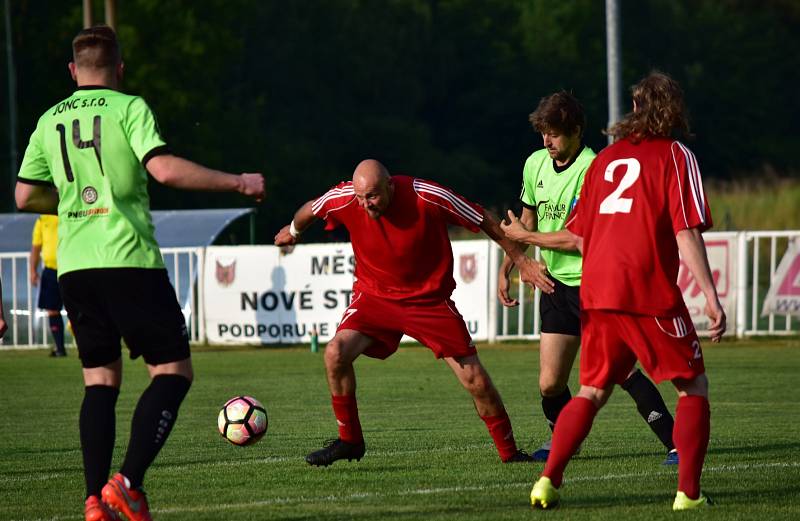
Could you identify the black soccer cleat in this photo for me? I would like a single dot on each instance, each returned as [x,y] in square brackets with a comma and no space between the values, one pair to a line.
[334,450]
[519,457]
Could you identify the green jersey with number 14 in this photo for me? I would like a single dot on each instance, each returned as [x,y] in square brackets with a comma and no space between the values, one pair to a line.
[92,146]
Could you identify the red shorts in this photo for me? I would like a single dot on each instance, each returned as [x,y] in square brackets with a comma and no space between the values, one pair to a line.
[667,347]
[438,326]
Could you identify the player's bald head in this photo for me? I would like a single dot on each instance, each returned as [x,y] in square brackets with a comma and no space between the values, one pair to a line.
[370,174]
[373,187]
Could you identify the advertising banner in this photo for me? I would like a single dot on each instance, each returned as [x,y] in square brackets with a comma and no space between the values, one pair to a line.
[722,258]
[258,295]
[783,296]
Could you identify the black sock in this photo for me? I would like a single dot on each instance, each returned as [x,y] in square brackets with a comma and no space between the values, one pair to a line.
[57,328]
[98,429]
[651,406]
[152,422]
[552,405]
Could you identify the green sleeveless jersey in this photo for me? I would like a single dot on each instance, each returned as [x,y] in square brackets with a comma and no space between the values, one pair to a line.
[552,193]
[92,146]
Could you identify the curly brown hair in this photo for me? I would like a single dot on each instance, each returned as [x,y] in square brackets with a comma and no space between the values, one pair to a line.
[560,112]
[96,48]
[659,111]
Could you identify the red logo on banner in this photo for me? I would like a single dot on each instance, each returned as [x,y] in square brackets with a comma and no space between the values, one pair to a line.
[226,273]
[468,267]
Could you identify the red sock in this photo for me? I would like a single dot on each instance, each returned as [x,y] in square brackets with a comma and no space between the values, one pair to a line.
[345,408]
[500,429]
[572,427]
[690,434]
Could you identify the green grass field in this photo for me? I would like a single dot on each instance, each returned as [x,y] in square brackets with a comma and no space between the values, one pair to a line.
[428,455]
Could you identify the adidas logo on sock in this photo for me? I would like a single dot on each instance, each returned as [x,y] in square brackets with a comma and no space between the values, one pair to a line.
[654,415]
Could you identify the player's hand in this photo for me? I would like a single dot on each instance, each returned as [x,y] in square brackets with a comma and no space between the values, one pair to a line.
[284,238]
[3,326]
[34,278]
[252,185]
[514,230]
[502,291]
[534,273]
[718,321]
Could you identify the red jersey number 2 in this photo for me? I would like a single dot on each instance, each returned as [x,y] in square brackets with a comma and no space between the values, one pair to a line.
[615,203]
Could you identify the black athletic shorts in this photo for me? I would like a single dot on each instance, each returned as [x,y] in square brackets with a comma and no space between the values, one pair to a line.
[561,310]
[49,294]
[134,304]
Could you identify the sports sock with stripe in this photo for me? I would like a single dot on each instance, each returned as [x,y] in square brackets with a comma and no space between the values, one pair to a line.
[651,406]
[152,422]
[502,434]
[345,408]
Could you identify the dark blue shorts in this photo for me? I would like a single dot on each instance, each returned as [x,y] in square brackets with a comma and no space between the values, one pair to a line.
[49,293]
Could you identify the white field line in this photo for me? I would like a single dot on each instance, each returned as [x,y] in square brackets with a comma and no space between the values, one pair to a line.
[223,507]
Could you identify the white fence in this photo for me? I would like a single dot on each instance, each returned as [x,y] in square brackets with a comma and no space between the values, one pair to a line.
[28,327]
[744,265]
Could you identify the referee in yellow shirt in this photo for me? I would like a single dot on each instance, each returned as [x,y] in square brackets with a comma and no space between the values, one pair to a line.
[45,242]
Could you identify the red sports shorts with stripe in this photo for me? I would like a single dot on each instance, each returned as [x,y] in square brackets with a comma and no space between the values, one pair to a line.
[438,325]
[612,341]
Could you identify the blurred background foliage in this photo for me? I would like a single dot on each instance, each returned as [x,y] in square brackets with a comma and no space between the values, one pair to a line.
[303,90]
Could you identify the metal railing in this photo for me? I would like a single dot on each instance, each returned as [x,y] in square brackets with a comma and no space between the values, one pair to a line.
[752,284]
[28,327]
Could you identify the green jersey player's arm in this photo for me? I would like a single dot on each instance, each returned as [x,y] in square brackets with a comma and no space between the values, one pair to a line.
[36,197]
[35,190]
[177,172]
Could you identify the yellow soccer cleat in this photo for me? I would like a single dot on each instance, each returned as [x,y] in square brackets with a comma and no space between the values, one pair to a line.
[543,494]
[682,501]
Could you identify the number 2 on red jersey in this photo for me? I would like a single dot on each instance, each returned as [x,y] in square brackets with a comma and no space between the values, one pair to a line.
[615,202]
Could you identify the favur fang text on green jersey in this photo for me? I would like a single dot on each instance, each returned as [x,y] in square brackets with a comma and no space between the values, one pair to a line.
[551,193]
[92,146]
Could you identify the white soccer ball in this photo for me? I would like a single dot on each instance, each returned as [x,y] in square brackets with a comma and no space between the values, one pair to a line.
[242,420]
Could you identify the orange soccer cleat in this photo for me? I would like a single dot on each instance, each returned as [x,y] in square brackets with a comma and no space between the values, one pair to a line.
[96,510]
[119,495]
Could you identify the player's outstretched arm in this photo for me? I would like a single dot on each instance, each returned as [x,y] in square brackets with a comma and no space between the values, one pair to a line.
[290,234]
[528,220]
[531,271]
[181,173]
[693,253]
[36,198]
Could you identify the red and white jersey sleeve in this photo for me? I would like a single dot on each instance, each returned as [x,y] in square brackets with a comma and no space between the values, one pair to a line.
[337,198]
[685,195]
[454,208]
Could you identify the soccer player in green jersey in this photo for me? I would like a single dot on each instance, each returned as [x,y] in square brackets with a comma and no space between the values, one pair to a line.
[551,183]
[87,161]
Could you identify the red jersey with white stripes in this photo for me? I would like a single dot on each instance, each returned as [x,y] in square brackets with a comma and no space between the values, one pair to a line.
[405,253]
[636,197]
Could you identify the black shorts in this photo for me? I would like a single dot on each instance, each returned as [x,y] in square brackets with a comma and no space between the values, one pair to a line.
[134,304]
[561,310]
[49,294]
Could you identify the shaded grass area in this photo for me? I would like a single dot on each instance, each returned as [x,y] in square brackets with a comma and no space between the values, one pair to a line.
[428,457]
[756,203]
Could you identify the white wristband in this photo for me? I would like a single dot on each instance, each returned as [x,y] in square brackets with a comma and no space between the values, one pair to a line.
[293,231]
